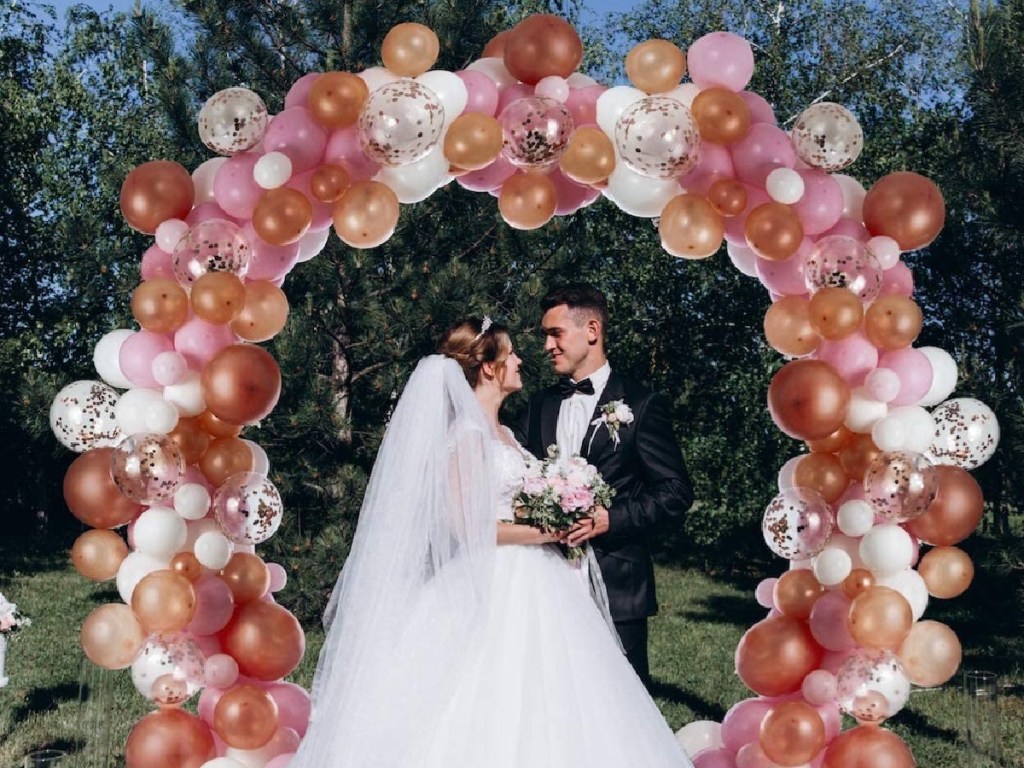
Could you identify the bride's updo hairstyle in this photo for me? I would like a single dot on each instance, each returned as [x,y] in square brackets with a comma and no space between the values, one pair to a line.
[470,346]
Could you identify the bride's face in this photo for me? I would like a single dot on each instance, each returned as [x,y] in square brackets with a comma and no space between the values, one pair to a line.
[510,378]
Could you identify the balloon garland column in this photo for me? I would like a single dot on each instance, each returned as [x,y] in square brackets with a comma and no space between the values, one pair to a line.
[882,475]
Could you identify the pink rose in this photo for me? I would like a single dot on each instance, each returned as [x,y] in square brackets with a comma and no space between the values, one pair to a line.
[6,623]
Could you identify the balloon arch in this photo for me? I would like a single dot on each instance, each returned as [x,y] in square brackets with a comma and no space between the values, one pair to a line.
[882,475]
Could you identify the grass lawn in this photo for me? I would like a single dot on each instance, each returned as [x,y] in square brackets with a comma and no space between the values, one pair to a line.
[692,642]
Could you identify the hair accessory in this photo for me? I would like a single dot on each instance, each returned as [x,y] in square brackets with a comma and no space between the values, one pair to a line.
[487,322]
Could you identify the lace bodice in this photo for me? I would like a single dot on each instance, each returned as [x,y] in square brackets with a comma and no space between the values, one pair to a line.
[510,466]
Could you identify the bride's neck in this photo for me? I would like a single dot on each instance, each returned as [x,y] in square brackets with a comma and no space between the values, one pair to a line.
[490,398]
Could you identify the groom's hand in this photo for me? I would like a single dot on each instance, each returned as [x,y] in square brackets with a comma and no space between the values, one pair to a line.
[589,527]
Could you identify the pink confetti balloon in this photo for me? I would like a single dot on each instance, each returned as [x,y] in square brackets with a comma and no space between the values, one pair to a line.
[248,508]
[401,123]
[900,485]
[797,524]
[147,468]
[843,262]
[216,245]
[872,686]
[535,132]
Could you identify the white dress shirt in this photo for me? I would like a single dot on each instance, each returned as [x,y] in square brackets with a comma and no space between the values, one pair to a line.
[576,413]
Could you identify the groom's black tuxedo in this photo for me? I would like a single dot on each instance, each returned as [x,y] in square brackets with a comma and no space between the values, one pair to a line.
[647,471]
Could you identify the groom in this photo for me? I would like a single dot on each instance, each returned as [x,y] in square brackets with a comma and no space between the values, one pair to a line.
[638,457]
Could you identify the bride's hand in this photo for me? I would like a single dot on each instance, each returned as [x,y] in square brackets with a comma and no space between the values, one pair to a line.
[550,537]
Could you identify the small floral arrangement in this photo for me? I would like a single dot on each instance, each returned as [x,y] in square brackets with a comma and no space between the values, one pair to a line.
[11,619]
[614,415]
[558,492]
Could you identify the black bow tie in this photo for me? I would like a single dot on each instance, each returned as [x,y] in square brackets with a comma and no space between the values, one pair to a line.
[567,387]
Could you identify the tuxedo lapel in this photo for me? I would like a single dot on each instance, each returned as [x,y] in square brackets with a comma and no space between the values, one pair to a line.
[597,438]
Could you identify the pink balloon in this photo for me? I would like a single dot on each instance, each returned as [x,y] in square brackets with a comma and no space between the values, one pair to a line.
[194,475]
[205,212]
[832,718]
[715,163]
[571,196]
[720,58]
[482,93]
[786,277]
[915,372]
[284,742]
[297,135]
[853,357]
[298,94]
[208,702]
[137,354]
[828,622]
[819,687]
[849,228]
[489,178]
[267,261]
[234,188]
[854,492]
[760,110]
[198,341]
[765,592]
[760,152]
[742,722]
[734,225]
[281,761]
[221,670]
[293,704]
[208,644]
[882,385]
[831,661]
[156,263]
[511,93]
[214,606]
[713,758]
[343,148]
[898,281]
[321,211]
[822,204]
[169,368]
[278,577]
[582,104]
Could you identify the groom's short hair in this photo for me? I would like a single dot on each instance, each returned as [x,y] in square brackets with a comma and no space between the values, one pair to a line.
[583,301]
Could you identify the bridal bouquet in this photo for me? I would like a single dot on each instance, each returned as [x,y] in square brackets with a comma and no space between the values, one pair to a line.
[557,492]
[11,619]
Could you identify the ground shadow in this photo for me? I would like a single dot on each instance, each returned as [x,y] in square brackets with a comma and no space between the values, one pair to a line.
[701,707]
[40,700]
[722,609]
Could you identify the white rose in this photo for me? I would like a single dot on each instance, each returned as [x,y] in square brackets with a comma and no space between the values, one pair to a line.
[623,413]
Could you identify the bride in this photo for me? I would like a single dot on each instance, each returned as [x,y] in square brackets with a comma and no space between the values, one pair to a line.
[457,639]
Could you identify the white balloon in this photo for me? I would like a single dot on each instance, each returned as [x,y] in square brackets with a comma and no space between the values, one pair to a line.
[910,584]
[132,408]
[202,180]
[882,384]
[886,549]
[222,762]
[450,90]
[159,532]
[135,567]
[375,77]
[855,517]
[918,427]
[553,87]
[686,93]
[889,434]
[743,258]
[784,185]
[311,243]
[853,196]
[187,395]
[192,501]
[83,416]
[161,417]
[832,565]
[272,170]
[849,545]
[579,80]
[698,735]
[260,460]
[886,250]
[197,528]
[786,472]
[213,550]
[168,368]
[495,69]
[944,375]
[612,103]
[863,412]
[639,195]
[105,358]
[170,232]
[416,181]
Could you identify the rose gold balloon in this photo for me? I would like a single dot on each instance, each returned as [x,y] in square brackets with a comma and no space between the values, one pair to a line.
[97,554]
[410,49]
[265,312]
[807,399]
[868,746]
[831,444]
[225,457]
[824,473]
[931,654]
[906,207]
[247,576]
[154,192]
[796,592]
[773,231]
[329,182]
[337,98]
[91,494]
[893,322]
[215,427]
[246,717]
[527,200]
[857,455]
[787,327]
[542,45]
[160,305]
[836,312]
[590,156]
[956,511]
[728,197]
[218,297]
[775,655]
[792,733]
[655,65]
[366,214]
[169,738]
[265,639]
[241,384]
[186,564]
[690,228]
[880,617]
[947,572]
[473,141]
[495,47]
[111,636]
[282,216]
[164,601]
[722,116]
[859,580]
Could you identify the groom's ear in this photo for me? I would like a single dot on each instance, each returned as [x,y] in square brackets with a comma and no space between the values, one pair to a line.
[594,331]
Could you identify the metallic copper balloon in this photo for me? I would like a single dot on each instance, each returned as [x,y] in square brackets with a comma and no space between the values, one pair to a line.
[186,564]
[956,511]
[336,99]
[773,231]
[859,580]
[542,45]
[154,192]
[655,66]
[225,457]
[111,636]
[721,115]
[824,473]
[366,214]
[264,314]
[787,327]
[91,494]
[868,746]
[690,227]
[796,592]
[169,738]
[216,427]
[947,572]
[590,156]
[893,322]
[410,49]
[282,216]
[776,654]
[241,384]
[218,297]
[527,200]
[495,47]
[880,617]
[931,654]
[164,601]
[160,305]
[247,576]
[807,399]
[246,717]
[792,733]
[328,182]
[265,639]
[728,197]
[836,312]
[473,141]
[906,207]
[97,554]
[831,444]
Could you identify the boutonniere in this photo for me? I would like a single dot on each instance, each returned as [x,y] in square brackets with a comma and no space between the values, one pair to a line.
[614,415]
